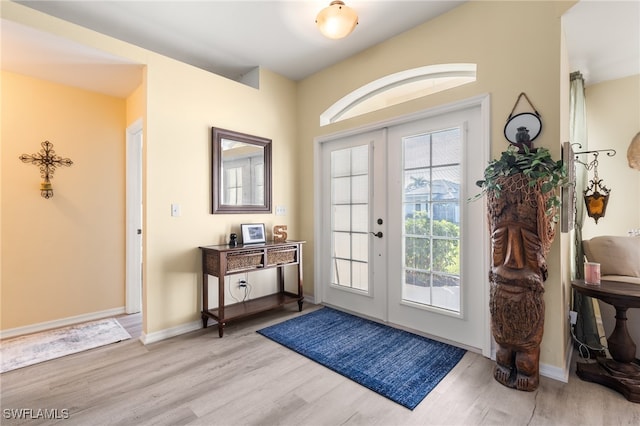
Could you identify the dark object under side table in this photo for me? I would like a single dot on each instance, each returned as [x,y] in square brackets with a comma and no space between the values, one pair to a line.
[621,372]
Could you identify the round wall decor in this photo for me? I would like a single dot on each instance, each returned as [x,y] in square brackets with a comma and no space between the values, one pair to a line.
[530,121]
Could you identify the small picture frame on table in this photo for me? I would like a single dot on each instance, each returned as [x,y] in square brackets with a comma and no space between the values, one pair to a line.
[253,233]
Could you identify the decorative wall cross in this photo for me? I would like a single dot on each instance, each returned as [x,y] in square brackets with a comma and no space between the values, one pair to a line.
[47,160]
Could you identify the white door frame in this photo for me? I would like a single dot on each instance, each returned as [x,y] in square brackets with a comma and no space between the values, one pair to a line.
[133,227]
[481,100]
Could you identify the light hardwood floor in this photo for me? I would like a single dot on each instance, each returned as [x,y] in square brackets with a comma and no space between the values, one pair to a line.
[132,323]
[246,379]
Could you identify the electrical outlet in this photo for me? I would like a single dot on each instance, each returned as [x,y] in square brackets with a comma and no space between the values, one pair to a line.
[573,317]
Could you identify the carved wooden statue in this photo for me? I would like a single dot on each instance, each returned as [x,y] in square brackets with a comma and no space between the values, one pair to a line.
[521,235]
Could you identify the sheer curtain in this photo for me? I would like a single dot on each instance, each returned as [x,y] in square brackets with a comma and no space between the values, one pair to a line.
[586,330]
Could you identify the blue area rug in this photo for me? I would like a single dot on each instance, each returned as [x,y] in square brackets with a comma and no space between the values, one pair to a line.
[399,365]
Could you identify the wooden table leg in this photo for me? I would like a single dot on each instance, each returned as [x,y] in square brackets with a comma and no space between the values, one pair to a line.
[205,292]
[622,373]
[621,345]
[300,279]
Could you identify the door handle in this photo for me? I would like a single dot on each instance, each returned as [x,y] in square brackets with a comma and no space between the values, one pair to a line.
[377,234]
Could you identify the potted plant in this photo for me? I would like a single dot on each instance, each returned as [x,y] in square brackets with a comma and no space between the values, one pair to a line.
[534,163]
[523,208]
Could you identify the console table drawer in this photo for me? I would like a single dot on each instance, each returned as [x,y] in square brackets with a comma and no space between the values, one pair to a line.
[245,260]
[282,255]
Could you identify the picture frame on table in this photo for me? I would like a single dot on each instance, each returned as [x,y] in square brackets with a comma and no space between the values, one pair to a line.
[253,233]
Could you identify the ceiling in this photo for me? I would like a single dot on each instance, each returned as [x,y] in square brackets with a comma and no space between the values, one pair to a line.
[231,38]
[603,39]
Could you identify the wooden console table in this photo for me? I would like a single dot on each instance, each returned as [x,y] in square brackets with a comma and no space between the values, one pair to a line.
[220,261]
[622,373]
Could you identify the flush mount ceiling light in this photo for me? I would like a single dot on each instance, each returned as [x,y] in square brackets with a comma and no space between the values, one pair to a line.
[337,20]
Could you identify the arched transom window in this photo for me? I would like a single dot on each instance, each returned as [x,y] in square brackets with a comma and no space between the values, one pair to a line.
[400,87]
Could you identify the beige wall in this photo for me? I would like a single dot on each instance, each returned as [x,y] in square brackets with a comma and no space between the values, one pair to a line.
[613,119]
[517,48]
[179,104]
[61,257]
[136,104]
[178,156]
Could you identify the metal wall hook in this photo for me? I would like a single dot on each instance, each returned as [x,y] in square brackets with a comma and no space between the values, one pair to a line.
[593,163]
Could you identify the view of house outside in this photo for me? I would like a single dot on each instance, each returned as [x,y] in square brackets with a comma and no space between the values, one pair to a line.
[432,175]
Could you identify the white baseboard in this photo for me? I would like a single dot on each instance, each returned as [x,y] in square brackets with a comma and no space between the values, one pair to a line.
[63,322]
[557,373]
[156,336]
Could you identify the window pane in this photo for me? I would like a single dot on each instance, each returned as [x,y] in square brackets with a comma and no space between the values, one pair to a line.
[418,278]
[447,147]
[447,223]
[446,256]
[417,288]
[360,218]
[341,218]
[417,151]
[360,247]
[446,183]
[341,163]
[446,292]
[341,245]
[417,253]
[418,224]
[341,190]
[360,160]
[342,272]
[360,189]
[360,275]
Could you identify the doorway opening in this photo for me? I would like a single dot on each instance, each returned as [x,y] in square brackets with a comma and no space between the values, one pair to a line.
[133,228]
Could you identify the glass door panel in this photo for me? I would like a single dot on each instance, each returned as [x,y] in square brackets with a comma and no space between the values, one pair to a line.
[431,206]
[351,280]
[437,279]
[350,217]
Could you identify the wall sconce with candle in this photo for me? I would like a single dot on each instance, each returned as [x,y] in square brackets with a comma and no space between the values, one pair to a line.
[596,195]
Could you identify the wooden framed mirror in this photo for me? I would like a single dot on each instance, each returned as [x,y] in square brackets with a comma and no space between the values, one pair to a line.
[241,172]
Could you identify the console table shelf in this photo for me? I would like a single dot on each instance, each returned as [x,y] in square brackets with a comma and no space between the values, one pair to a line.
[220,261]
[254,306]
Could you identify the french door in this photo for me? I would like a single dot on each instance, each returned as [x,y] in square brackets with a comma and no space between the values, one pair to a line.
[400,242]
[438,281]
[353,170]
